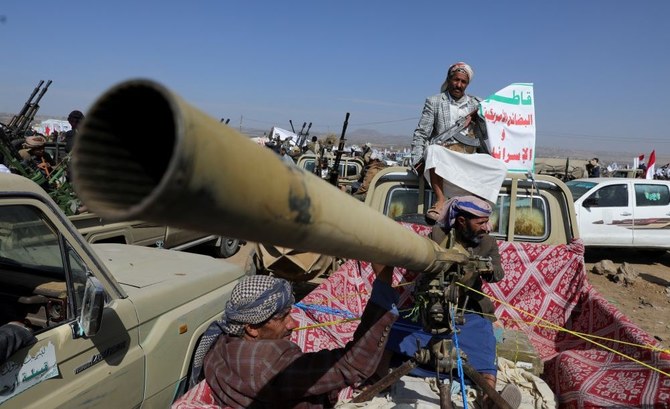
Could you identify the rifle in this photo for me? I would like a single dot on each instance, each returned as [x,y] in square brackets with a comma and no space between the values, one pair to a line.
[455,132]
[335,171]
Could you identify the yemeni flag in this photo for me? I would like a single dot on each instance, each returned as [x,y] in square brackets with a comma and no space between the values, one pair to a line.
[651,167]
[636,161]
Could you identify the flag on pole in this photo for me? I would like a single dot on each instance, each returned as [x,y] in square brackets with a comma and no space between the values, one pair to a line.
[651,167]
[636,161]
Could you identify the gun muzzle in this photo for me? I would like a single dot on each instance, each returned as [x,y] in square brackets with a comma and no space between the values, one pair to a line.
[178,166]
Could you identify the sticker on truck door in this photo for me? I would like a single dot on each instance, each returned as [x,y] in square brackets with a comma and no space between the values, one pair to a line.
[15,377]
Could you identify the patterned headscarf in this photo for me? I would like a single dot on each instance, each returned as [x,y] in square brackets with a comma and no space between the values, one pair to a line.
[462,204]
[458,67]
[461,67]
[254,300]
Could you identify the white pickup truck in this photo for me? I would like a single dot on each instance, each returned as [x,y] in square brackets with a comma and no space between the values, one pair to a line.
[116,325]
[623,212]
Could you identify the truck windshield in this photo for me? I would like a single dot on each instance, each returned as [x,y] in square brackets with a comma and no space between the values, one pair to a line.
[28,241]
[579,187]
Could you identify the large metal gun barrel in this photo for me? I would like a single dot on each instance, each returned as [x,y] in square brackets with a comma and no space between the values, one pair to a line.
[143,153]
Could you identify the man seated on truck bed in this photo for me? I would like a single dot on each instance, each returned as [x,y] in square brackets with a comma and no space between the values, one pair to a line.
[463,224]
[254,363]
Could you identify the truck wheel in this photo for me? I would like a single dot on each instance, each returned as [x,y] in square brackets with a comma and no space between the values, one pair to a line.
[227,248]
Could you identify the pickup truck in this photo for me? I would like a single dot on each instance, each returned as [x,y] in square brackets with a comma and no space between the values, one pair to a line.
[96,230]
[350,167]
[539,208]
[623,212]
[116,325]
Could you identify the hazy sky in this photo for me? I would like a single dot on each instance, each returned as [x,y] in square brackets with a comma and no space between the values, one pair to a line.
[599,68]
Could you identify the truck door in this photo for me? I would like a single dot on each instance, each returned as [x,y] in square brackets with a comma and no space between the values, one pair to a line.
[652,214]
[605,216]
[43,272]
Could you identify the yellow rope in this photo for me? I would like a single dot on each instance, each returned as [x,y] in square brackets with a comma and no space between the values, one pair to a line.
[325,324]
[553,326]
[542,324]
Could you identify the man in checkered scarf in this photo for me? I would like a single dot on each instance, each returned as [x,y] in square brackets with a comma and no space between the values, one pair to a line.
[254,363]
[254,300]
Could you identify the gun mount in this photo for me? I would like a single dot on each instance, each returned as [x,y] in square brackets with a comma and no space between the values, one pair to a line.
[191,180]
[12,137]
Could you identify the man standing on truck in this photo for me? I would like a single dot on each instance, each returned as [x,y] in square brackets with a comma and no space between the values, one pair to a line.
[254,362]
[452,109]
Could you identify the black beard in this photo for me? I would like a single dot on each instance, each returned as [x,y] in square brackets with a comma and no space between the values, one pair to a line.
[470,237]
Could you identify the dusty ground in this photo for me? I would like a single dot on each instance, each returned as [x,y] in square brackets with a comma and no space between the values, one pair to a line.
[647,301]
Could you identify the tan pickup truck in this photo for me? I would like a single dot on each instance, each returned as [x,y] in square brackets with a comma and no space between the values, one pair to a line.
[116,325]
[540,209]
[96,230]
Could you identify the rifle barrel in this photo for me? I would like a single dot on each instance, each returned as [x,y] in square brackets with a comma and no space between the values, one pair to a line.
[335,172]
[26,106]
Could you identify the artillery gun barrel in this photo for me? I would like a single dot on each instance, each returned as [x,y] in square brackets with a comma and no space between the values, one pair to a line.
[179,166]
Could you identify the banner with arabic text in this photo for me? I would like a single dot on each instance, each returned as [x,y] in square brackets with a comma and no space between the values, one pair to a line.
[510,123]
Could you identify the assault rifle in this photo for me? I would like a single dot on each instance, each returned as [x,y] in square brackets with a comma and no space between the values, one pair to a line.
[335,171]
[455,132]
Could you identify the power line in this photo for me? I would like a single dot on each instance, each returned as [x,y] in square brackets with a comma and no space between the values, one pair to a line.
[603,137]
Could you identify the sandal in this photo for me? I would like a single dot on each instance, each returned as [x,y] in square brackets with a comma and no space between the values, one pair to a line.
[512,395]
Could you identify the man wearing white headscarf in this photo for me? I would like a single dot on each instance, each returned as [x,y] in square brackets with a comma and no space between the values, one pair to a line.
[441,112]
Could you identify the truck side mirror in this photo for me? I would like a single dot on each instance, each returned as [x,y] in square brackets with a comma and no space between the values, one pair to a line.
[91,310]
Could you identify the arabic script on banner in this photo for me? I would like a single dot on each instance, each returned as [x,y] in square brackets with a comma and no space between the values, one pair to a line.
[510,123]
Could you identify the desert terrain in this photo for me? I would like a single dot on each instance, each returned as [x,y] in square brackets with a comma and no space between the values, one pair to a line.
[647,301]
